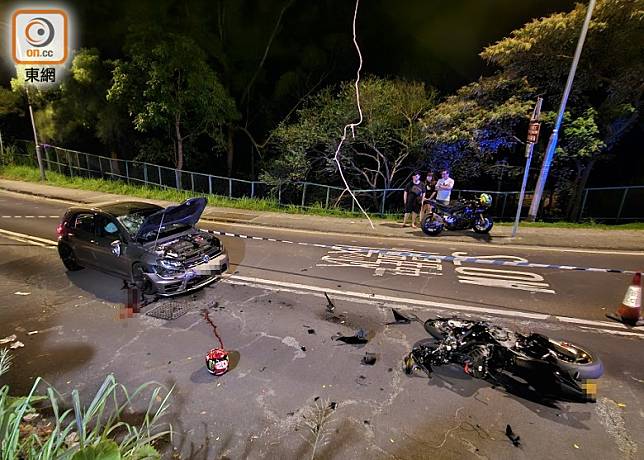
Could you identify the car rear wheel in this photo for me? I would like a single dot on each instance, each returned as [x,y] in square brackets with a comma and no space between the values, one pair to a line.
[68,257]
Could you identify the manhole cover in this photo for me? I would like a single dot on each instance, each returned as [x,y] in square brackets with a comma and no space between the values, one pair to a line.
[170,309]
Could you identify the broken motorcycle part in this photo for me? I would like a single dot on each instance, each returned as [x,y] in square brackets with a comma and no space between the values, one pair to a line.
[360,338]
[369,359]
[330,307]
[516,440]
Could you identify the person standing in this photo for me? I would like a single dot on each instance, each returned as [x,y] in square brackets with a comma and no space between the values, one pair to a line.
[430,192]
[413,199]
[444,188]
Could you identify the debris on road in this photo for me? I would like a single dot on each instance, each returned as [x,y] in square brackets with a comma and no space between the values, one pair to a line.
[22,293]
[360,338]
[32,332]
[330,307]
[399,318]
[17,344]
[311,331]
[8,339]
[369,359]
[516,440]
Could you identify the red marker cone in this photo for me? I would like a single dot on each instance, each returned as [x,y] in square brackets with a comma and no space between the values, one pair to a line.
[629,311]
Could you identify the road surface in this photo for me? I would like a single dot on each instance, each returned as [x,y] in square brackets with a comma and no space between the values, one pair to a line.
[270,311]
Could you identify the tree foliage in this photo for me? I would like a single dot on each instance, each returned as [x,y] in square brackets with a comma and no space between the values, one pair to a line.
[168,86]
[605,102]
[610,75]
[467,129]
[385,146]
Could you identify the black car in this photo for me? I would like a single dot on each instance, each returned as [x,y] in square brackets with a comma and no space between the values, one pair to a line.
[159,249]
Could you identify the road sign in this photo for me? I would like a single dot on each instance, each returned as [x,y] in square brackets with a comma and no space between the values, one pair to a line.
[533,131]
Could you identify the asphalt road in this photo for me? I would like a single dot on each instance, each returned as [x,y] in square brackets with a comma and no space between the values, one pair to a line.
[575,294]
[266,310]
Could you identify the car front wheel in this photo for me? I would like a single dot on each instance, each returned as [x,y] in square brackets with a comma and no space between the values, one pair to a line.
[142,281]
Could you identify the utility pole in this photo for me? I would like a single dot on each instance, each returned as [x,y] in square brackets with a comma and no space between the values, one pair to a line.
[41,167]
[533,136]
[552,143]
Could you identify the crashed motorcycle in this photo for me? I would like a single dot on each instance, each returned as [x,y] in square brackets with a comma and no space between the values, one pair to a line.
[462,215]
[498,355]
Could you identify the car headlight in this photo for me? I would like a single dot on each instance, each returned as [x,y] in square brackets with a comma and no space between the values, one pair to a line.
[171,265]
[168,269]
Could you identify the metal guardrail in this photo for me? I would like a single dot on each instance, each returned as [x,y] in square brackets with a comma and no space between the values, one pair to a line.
[596,201]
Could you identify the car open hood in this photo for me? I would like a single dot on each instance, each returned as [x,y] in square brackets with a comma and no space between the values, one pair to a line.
[186,213]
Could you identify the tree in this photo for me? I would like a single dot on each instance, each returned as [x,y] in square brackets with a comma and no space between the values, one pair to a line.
[168,86]
[467,129]
[579,148]
[386,145]
[610,75]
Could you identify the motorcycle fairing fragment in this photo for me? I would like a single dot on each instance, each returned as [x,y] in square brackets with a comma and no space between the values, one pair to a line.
[360,338]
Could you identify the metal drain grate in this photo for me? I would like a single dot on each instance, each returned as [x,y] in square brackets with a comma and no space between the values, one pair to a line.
[170,310]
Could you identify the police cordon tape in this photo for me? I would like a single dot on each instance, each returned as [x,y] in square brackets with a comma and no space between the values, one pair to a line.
[358,249]
[425,255]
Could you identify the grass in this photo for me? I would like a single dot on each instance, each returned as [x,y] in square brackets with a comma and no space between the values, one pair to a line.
[31,174]
[41,427]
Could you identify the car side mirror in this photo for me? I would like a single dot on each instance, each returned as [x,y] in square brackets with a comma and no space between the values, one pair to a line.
[116,247]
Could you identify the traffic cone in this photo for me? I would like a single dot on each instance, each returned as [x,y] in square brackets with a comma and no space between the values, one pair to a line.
[629,311]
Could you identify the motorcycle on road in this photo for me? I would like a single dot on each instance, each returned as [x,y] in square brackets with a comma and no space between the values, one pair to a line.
[462,215]
[499,355]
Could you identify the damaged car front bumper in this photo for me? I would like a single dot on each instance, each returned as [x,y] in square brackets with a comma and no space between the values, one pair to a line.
[190,279]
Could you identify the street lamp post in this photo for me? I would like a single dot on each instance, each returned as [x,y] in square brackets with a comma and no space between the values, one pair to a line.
[552,143]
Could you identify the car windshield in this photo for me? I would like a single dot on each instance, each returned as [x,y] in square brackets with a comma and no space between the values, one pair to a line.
[133,221]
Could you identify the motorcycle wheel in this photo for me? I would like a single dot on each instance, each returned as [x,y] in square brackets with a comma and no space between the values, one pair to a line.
[432,225]
[483,225]
[436,328]
[581,363]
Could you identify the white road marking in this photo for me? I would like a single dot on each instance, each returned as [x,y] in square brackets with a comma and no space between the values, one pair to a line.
[374,298]
[30,217]
[28,238]
[385,298]
[362,297]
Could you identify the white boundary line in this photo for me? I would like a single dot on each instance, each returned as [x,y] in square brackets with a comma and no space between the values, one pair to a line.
[28,238]
[374,298]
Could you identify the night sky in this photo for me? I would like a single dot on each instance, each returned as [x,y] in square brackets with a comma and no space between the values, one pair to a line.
[436,41]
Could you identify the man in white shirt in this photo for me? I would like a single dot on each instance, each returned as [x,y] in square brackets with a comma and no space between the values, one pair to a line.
[444,188]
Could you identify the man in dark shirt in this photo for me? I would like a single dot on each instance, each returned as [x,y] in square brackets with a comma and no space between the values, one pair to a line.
[413,199]
[430,192]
